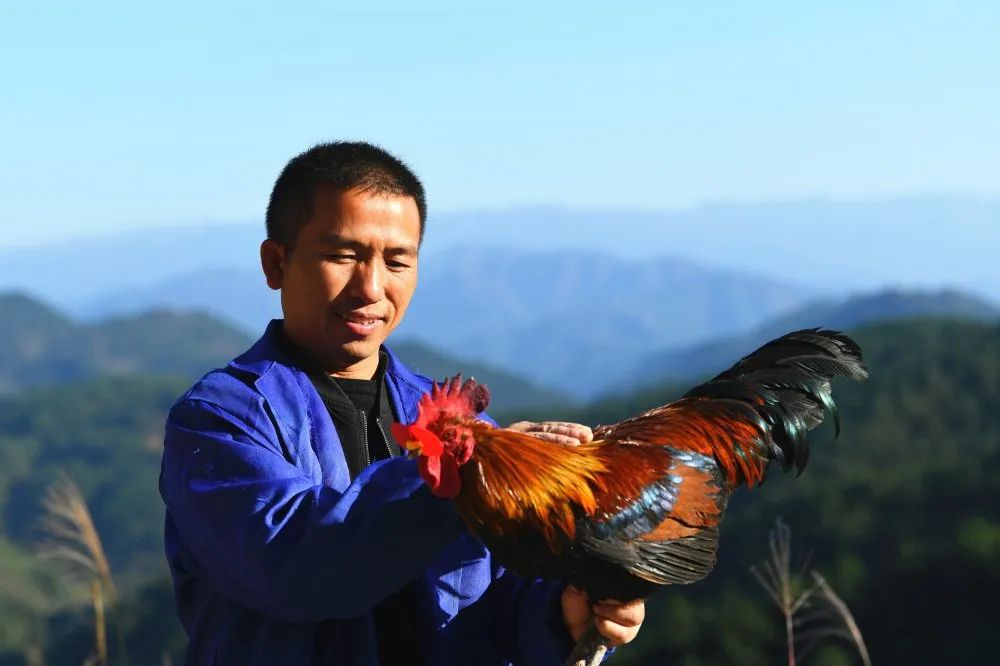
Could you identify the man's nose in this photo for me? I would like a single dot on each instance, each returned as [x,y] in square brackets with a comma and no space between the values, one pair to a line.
[368,281]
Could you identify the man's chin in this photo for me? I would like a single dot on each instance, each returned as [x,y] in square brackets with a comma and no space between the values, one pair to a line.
[352,353]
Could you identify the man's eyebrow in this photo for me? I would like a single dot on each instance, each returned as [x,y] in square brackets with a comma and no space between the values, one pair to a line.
[403,249]
[334,238]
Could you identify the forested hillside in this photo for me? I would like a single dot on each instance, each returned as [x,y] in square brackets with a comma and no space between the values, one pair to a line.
[901,513]
[40,346]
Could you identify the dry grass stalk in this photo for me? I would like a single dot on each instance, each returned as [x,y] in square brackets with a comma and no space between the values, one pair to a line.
[779,583]
[830,617]
[816,613]
[100,656]
[34,655]
[72,537]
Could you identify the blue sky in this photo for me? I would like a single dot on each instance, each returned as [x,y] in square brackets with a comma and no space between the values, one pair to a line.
[124,115]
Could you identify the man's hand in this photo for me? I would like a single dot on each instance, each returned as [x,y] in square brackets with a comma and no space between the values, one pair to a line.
[555,431]
[618,622]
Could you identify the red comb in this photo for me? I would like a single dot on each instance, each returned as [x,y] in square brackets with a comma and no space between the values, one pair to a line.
[470,396]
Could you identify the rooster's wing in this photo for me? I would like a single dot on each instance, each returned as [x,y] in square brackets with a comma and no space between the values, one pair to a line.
[659,532]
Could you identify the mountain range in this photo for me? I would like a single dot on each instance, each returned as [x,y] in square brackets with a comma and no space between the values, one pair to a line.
[710,357]
[835,246]
[570,320]
[577,299]
[41,346]
[573,320]
[585,335]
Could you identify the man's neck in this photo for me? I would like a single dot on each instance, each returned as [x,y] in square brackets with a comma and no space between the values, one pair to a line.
[363,369]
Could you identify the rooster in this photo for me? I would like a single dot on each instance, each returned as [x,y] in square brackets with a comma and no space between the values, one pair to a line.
[640,505]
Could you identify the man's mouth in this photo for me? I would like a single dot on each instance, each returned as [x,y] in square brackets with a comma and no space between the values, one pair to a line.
[358,318]
[360,323]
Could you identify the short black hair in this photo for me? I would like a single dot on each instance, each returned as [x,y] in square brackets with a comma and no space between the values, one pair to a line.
[341,165]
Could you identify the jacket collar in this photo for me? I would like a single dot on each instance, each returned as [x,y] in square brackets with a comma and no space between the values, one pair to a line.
[405,387]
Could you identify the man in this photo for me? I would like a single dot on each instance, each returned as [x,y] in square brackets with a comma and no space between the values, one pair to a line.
[296,532]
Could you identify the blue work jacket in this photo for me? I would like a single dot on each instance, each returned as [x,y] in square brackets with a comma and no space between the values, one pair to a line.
[278,558]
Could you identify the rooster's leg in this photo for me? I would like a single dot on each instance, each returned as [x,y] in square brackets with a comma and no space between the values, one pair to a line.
[589,650]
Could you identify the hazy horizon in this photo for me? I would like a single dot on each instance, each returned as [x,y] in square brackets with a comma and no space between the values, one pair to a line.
[86,235]
[920,242]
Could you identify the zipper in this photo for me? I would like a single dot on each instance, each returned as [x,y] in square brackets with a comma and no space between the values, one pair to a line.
[364,438]
[385,440]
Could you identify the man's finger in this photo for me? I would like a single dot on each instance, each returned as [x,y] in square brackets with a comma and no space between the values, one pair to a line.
[573,433]
[628,615]
[580,433]
[615,634]
[558,439]
[576,611]
[574,429]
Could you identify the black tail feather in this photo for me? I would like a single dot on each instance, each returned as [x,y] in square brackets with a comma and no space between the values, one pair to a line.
[787,383]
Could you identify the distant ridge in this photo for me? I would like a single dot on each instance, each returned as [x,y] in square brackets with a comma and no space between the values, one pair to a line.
[39,346]
[925,241]
[567,319]
[687,363]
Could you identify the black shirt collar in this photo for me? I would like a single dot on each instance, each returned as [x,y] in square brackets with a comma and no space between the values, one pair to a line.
[329,390]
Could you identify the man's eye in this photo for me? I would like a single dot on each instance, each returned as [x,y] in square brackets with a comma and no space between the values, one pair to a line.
[339,257]
[399,265]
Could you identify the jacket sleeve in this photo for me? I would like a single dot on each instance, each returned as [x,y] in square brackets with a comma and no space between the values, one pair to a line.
[531,628]
[528,624]
[517,619]
[271,538]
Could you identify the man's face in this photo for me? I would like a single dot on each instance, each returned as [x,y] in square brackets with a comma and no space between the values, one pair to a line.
[350,277]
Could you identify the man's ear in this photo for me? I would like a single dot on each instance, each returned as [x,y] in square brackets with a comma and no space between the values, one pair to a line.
[272,260]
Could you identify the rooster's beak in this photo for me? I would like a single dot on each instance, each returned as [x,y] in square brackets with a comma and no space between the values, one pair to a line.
[417,440]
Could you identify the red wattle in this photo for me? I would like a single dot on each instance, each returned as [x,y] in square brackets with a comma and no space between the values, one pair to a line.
[451,482]
[430,470]
[440,473]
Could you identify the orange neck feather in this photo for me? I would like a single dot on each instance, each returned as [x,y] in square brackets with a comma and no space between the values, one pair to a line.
[515,481]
